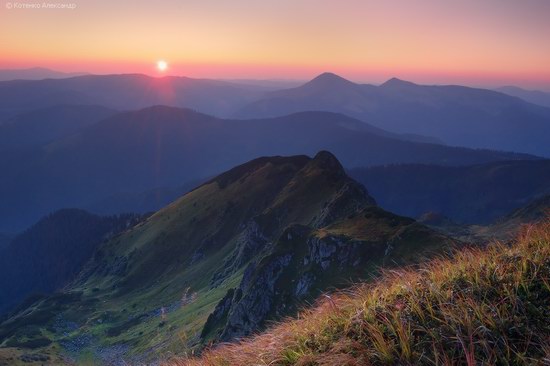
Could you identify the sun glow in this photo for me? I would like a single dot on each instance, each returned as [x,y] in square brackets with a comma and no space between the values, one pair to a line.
[162,65]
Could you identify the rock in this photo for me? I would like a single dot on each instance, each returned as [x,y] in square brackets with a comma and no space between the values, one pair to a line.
[249,313]
[219,314]
[250,243]
[332,250]
[304,284]
[36,357]
[349,200]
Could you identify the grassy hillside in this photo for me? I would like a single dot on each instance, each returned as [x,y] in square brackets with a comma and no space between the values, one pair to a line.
[243,249]
[483,306]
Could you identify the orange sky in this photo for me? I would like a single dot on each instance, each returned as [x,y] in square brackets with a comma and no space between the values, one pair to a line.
[477,42]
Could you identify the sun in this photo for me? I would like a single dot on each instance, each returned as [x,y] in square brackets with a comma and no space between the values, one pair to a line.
[162,65]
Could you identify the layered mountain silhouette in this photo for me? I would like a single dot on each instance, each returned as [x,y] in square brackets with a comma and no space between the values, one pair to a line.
[476,194]
[456,115]
[531,96]
[167,147]
[125,92]
[34,73]
[244,248]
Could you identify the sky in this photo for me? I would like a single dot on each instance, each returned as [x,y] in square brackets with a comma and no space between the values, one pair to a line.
[472,42]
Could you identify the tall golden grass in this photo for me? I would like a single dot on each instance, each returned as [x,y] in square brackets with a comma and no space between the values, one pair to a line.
[479,307]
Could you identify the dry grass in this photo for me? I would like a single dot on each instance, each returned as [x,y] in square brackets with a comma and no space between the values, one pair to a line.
[481,307]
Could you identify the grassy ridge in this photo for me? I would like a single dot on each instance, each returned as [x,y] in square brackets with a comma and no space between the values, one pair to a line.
[483,306]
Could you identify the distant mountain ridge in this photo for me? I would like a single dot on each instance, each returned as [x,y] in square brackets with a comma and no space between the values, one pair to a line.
[127,92]
[166,147]
[476,194]
[457,115]
[531,96]
[454,115]
[35,73]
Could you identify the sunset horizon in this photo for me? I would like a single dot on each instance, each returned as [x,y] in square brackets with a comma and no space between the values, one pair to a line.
[485,44]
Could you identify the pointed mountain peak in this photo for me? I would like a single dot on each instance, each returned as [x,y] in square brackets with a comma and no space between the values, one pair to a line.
[327,161]
[396,83]
[327,79]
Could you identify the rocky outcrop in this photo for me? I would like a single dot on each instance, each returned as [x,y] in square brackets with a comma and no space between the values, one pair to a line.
[298,264]
[330,251]
[349,199]
[259,294]
[249,243]
[219,315]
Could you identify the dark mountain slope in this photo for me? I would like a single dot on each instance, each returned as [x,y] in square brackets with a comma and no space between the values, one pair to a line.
[4,240]
[472,194]
[504,228]
[535,211]
[456,115]
[164,146]
[265,236]
[48,124]
[51,252]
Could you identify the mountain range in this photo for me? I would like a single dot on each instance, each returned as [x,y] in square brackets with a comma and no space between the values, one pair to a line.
[531,96]
[125,92]
[456,115]
[166,147]
[465,195]
[230,205]
[477,194]
[35,73]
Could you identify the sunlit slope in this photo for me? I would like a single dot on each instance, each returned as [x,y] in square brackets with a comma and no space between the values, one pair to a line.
[483,306]
[276,231]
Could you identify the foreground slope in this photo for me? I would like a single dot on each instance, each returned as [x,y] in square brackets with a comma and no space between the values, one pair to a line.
[245,248]
[484,306]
